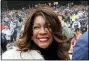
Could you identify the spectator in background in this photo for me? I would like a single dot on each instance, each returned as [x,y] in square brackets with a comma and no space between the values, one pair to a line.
[7,33]
[13,31]
[81,48]
[67,32]
[76,24]
[3,43]
[77,35]
[41,39]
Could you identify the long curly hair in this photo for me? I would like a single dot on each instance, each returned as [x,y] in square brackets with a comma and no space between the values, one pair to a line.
[25,42]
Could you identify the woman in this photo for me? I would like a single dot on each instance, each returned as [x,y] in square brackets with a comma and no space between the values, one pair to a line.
[41,39]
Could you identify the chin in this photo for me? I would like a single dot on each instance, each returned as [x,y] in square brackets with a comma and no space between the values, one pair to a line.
[43,47]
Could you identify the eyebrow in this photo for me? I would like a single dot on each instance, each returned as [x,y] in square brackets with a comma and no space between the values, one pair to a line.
[36,24]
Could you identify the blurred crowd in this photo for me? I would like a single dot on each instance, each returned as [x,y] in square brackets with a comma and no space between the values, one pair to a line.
[74,21]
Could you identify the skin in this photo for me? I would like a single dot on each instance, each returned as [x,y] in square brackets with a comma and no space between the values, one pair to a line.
[41,35]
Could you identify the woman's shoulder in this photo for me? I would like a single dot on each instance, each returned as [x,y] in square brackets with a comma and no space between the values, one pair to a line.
[16,54]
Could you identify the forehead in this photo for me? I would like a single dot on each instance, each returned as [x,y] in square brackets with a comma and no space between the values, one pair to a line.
[39,19]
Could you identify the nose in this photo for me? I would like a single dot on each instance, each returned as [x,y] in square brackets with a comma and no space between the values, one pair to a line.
[43,31]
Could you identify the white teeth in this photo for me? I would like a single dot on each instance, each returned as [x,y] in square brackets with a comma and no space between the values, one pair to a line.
[43,39]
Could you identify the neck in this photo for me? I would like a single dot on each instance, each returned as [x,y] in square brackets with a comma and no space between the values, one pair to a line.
[49,53]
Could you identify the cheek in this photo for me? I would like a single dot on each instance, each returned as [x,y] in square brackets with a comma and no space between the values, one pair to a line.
[34,35]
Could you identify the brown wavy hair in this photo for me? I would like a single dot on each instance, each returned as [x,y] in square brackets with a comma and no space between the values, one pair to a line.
[25,42]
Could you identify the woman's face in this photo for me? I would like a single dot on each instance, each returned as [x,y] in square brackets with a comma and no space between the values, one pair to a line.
[41,35]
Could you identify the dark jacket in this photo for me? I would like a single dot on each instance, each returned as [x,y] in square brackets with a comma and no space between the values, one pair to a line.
[81,48]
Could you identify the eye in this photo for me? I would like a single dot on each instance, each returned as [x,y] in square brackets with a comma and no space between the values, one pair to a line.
[36,27]
[48,26]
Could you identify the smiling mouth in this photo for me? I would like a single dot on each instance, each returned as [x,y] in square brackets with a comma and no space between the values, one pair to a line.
[43,39]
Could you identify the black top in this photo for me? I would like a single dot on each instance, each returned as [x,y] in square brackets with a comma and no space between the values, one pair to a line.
[50,52]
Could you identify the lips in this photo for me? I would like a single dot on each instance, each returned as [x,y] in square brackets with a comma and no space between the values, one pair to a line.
[43,39]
